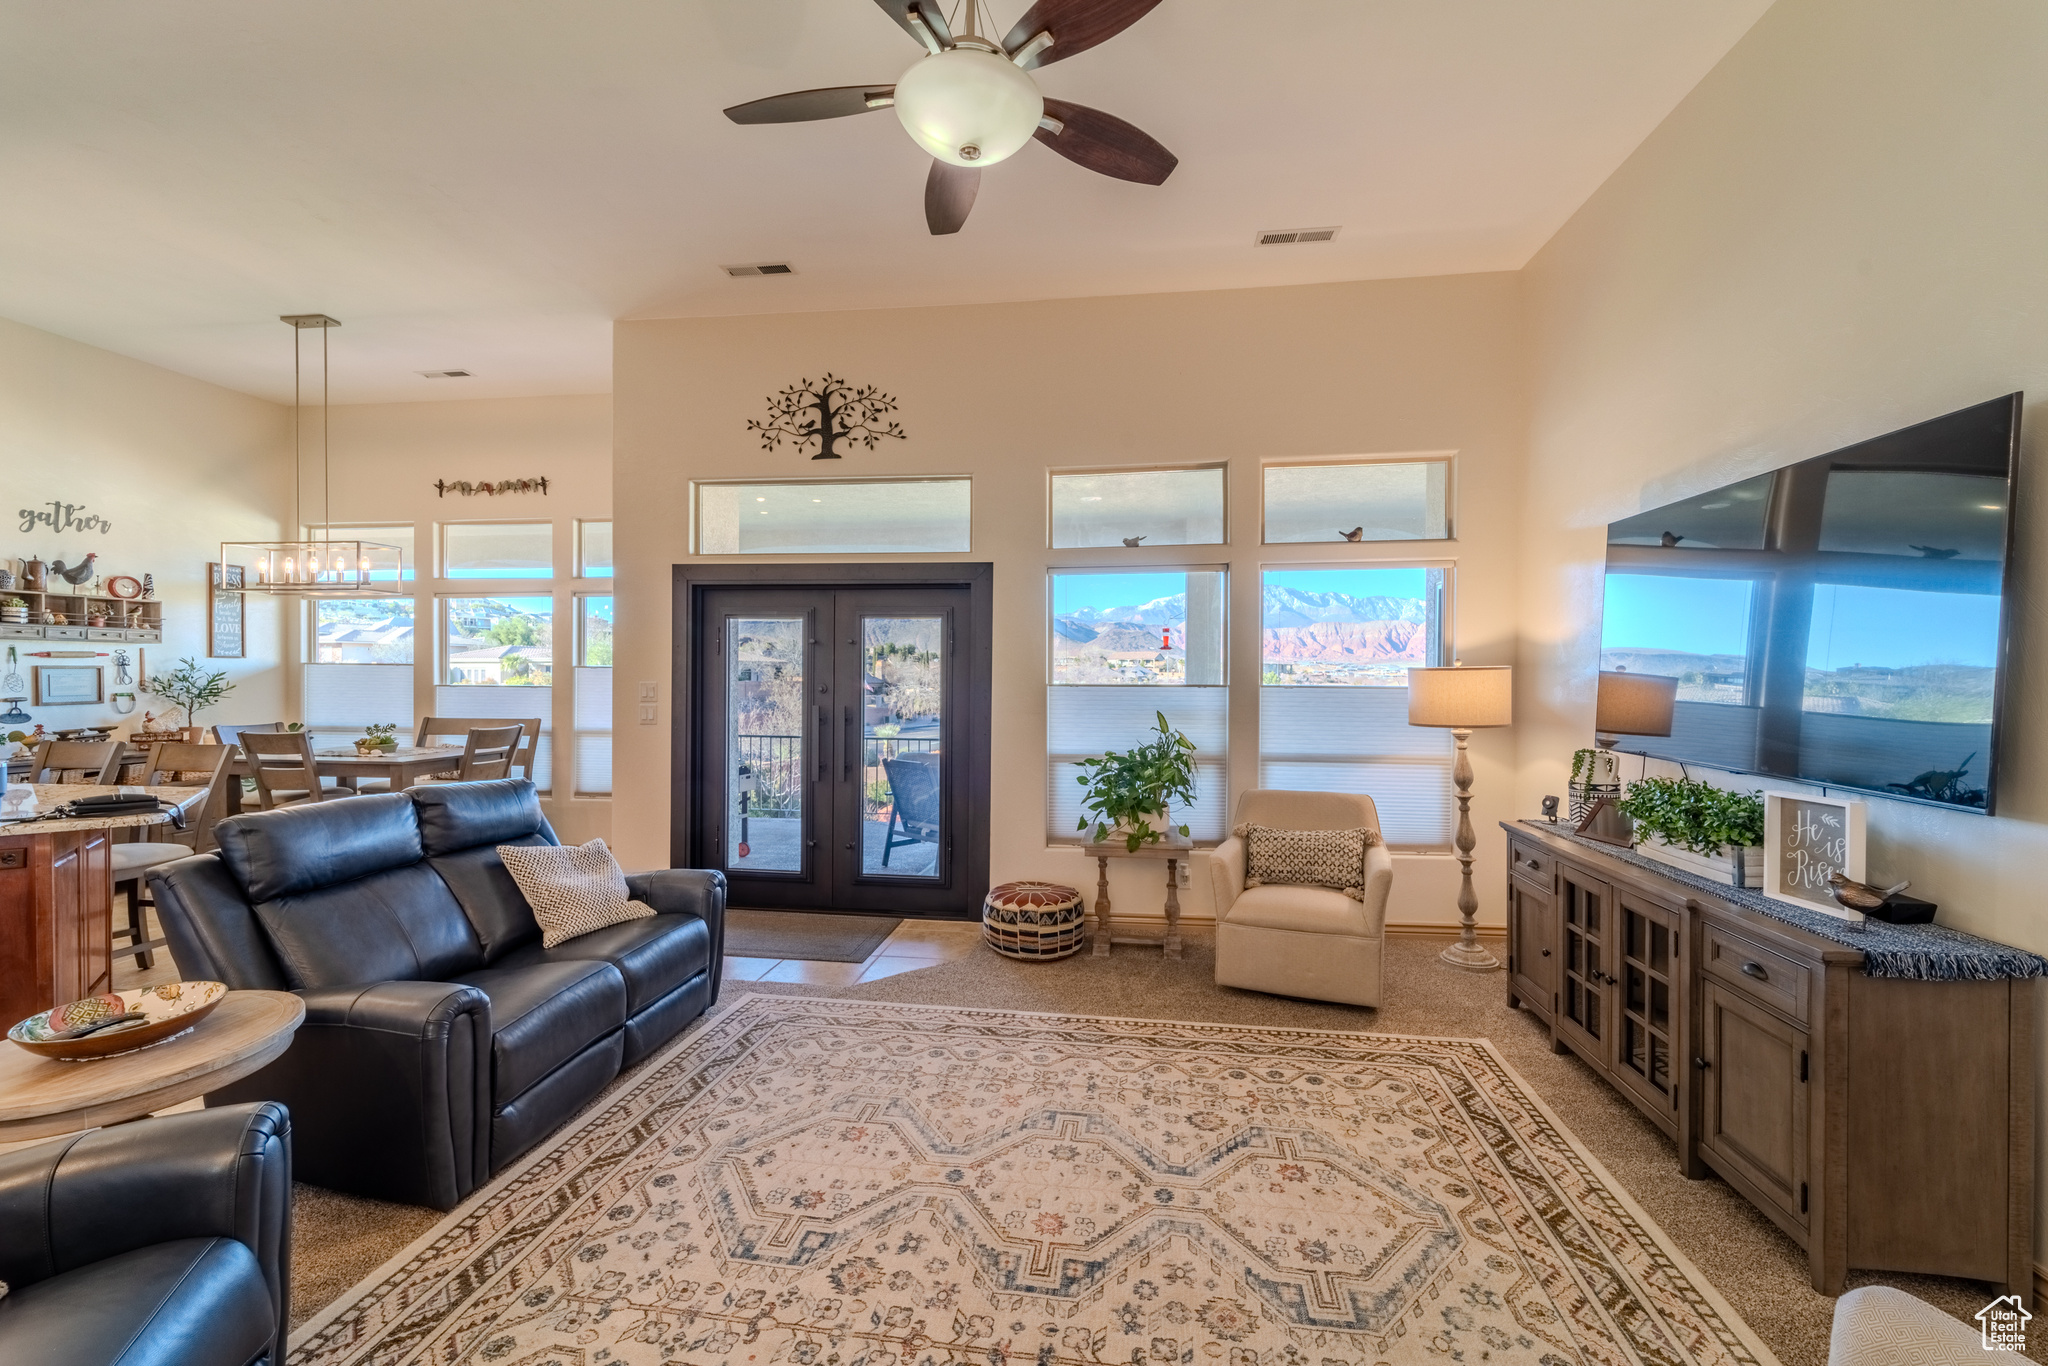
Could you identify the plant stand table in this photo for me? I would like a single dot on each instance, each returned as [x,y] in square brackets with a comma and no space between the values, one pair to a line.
[1175,850]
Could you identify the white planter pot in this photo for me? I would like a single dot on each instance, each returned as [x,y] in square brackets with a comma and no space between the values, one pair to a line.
[1747,871]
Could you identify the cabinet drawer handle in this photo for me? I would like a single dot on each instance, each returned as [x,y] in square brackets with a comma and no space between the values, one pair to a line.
[1546,953]
[1755,970]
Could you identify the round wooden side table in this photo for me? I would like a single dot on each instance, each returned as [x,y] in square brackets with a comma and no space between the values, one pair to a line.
[41,1097]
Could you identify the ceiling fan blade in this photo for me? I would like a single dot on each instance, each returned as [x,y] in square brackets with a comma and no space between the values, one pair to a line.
[948,196]
[1106,144]
[1075,26]
[929,11]
[801,106]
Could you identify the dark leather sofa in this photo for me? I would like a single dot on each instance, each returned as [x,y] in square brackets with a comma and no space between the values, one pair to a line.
[167,1241]
[441,1040]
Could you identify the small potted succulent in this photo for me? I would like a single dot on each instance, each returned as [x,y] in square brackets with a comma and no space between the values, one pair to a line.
[14,611]
[378,739]
[1129,792]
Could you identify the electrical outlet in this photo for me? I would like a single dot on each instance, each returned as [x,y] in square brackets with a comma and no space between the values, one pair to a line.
[1182,869]
[647,714]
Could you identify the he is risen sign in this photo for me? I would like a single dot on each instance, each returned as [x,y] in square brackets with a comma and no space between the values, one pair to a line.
[1807,840]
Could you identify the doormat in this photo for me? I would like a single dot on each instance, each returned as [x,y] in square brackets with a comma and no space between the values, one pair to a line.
[798,934]
[806,1181]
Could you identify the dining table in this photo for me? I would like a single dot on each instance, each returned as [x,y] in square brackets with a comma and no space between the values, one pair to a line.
[57,890]
[400,768]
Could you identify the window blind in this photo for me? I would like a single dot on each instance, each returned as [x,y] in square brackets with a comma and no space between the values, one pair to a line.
[341,699]
[593,732]
[1357,739]
[1083,722]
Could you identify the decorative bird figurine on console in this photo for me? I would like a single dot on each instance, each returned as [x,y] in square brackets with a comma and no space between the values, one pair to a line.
[1860,896]
[77,573]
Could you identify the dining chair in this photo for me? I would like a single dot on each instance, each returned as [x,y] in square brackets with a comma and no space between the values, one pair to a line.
[94,761]
[170,763]
[285,770]
[522,759]
[488,753]
[232,735]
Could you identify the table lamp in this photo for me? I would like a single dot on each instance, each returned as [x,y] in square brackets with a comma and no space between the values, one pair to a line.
[1626,704]
[1463,700]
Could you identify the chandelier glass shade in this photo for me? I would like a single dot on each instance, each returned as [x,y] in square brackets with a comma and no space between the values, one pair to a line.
[316,566]
[969,106]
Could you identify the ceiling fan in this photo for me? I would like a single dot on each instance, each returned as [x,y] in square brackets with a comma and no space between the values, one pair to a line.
[970,102]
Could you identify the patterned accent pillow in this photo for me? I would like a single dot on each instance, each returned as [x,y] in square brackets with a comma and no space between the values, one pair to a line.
[573,889]
[1306,858]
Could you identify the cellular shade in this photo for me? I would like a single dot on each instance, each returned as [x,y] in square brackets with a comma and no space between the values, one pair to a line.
[1460,698]
[881,516]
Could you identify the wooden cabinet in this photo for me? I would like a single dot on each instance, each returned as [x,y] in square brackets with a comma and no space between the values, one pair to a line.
[56,920]
[1884,1124]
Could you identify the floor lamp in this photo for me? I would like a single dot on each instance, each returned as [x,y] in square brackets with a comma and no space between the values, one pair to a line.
[1463,700]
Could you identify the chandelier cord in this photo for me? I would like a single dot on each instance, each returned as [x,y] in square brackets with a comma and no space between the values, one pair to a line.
[326,407]
[298,432]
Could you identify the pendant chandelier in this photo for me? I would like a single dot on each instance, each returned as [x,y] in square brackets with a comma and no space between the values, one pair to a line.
[317,566]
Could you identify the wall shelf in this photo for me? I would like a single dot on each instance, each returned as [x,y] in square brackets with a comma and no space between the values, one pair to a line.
[77,608]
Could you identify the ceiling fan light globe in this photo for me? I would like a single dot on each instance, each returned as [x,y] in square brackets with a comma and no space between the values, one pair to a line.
[969,107]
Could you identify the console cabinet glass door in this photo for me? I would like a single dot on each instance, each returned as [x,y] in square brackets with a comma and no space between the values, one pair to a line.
[1646,953]
[1587,989]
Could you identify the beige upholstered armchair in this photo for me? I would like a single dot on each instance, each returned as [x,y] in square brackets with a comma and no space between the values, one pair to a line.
[1302,941]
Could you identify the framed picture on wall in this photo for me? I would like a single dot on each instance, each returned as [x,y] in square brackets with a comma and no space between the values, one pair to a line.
[1806,841]
[65,685]
[224,615]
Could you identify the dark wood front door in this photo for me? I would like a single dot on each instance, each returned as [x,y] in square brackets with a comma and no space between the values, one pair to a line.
[832,758]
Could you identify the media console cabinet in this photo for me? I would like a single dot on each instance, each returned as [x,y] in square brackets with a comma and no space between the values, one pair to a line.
[1869,1088]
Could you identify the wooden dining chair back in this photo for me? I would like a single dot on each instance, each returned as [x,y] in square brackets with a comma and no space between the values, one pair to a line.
[283,766]
[76,761]
[522,758]
[490,752]
[232,735]
[171,763]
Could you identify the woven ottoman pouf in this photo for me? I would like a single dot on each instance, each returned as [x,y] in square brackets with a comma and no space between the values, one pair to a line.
[1035,920]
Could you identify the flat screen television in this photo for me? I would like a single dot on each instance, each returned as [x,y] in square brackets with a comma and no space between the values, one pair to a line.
[1839,621]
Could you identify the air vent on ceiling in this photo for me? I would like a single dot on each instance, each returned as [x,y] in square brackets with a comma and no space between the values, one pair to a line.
[770,268]
[1283,237]
[444,374]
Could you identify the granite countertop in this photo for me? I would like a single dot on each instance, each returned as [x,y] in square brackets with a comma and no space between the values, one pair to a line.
[29,799]
[1924,953]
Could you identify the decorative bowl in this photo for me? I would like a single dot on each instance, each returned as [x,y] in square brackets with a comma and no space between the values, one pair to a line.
[168,1010]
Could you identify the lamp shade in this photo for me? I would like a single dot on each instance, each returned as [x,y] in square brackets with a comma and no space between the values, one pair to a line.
[1461,698]
[969,107]
[1634,704]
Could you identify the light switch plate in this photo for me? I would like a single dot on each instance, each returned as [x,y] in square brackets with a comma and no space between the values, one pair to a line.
[650,692]
[647,716]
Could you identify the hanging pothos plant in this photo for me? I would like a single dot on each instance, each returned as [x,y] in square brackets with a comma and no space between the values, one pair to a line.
[1124,790]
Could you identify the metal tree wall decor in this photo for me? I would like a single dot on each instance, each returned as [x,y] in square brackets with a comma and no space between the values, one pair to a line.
[827,413]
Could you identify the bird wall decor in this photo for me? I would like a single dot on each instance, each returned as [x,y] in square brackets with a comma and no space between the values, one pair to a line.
[970,101]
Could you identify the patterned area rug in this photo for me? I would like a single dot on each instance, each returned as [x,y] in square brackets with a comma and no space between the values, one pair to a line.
[846,1183]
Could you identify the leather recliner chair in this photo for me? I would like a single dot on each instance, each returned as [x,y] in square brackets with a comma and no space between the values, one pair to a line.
[167,1241]
[441,1040]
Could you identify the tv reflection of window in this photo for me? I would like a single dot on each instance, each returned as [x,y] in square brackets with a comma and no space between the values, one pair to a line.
[1902,654]
[1693,629]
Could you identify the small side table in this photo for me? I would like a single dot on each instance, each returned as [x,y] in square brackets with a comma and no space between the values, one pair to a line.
[42,1097]
[1175,850]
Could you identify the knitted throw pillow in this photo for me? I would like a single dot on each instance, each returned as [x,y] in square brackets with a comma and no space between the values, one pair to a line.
[1306,858]
[573,889]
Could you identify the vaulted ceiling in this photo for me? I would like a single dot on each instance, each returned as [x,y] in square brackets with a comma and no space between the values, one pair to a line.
[488,184]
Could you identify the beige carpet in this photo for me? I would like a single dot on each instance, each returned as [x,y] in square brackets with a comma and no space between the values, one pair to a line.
[1759,1272]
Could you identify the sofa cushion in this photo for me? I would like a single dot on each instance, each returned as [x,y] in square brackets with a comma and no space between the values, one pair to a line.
[193,1300]
[463,815]
[1306,858]
[1310,910]
[655,955]
[297,848]
[572,890]
[542,1015]
[400,925]
[489,897]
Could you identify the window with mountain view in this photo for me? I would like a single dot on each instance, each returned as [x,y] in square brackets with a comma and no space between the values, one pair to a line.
[1336,647]
[360,666]
[498,662]
[1124,647]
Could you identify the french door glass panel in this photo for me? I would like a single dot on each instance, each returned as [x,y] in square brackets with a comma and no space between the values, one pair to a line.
[902,733]
[765,769]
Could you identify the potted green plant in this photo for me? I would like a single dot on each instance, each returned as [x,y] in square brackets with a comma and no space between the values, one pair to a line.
[378,738]
[1699,827]
[1130,793]
[14,610]
[191,686]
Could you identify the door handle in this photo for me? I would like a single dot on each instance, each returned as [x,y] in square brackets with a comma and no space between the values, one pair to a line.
[852,739]
[1701,1063]
[824,738]
[1546,953]
[1755,970]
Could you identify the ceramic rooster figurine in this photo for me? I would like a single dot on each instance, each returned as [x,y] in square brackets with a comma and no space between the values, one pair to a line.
[77,573]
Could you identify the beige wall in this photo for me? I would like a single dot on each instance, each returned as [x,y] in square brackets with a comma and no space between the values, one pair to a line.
[387,457]
[1841,231]
[1004,392]
[176,465]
